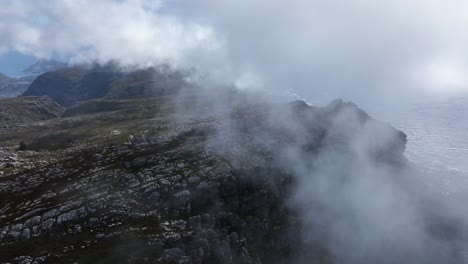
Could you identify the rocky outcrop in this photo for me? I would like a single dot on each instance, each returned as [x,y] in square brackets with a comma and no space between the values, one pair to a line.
[193,194]
[8,158]
[164,202]
[25,110]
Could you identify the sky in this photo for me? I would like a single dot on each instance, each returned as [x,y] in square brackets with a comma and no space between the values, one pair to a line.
[13,63]
[361,50]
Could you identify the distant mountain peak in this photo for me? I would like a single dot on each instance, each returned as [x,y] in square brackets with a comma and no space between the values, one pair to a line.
[3,77]
[12,87]
[42,66]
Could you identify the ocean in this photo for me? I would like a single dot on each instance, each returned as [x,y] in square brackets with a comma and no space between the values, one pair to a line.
[438,141]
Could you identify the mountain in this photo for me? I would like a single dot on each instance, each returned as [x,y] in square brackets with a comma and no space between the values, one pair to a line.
[71,85]
[4,78]
[12,87]
[131,181]
[141,167]
[42,66]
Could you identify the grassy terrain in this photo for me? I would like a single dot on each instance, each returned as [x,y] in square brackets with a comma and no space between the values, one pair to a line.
[24,110]
[97,121]
[71,85]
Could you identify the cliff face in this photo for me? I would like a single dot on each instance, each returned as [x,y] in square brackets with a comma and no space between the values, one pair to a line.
[199,190]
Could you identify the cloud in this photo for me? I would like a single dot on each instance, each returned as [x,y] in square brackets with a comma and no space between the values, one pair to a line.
[444,75]
[354,49]
[132,32]
[360,50]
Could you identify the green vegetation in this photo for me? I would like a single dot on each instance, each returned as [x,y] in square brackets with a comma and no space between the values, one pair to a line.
[71,85]
[90,122]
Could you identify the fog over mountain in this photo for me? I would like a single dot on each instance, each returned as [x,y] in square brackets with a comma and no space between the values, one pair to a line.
[336,186]
[361,50]
[43,66]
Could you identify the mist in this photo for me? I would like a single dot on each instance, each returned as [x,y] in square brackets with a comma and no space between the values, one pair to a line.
[356,196]
[370,52]
[353,203]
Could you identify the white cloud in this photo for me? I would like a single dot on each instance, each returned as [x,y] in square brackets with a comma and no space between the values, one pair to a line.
[132,32]
[360,50]
[442,76]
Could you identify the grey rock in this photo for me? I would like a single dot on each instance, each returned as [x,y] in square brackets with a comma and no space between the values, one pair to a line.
[50,214]
[179,224]
[69,206]
[245,257]
[26,234]
[3,232]
[194,222]
[47,225]
[123,150]
[14,234]
[77,229]
[40,260]
[93,222]
[98,157]
[139,163]
[173,255]
[182,198]
[137,140]
[193,179]
[36,220]
[65,218]
[9,165]
[151,195]
[130,180]
[24,260]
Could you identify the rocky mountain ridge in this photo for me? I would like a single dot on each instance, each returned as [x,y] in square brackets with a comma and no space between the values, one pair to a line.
[161,190]
[81,83]
[140,166]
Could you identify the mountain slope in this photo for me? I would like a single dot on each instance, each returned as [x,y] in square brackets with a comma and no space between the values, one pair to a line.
[177,175]
[23,111]
[71,85]
[133,183]
[12,87]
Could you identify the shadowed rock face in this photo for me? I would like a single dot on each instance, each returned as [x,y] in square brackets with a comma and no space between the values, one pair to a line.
[16,86]
[191,194]
[64,85]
